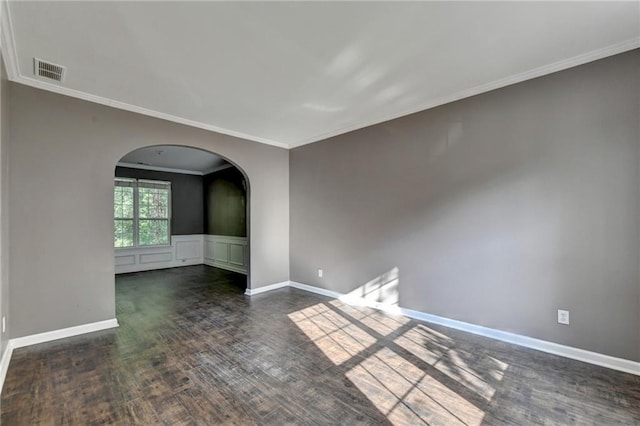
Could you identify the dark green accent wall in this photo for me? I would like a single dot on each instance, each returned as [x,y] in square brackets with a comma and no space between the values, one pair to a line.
[225,201]
[187,212]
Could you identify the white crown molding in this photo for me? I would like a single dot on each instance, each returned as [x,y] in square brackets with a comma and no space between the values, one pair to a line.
[11,60]
[158,168]
[27,81]
[173,170]
[217,169]
[582,59]
[595,358]
[7,41]
[10,55]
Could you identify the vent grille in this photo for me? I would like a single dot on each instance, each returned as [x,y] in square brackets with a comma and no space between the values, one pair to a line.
[48,70]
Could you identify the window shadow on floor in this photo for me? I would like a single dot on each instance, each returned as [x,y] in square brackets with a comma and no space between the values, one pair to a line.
[191,347]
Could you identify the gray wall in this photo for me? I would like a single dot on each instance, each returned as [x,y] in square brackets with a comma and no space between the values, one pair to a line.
[4,198]
[497,210]
[225,203]
[187,210]
[63,154]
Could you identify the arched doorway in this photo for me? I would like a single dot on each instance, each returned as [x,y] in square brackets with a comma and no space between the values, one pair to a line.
[179,206]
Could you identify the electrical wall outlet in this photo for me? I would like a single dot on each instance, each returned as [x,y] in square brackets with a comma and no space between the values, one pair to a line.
[319,273]
[563,317]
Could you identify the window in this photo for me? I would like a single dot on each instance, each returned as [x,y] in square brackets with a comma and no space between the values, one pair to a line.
[123,207]
[141,211]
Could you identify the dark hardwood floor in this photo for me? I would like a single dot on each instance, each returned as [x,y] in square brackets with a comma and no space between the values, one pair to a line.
[192,349]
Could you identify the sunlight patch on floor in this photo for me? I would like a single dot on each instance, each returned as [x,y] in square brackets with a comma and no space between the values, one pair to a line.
[405,389]
[407,395]
[334,335]
[436,349]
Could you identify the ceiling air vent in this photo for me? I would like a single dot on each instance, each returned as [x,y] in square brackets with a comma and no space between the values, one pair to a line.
[48,70]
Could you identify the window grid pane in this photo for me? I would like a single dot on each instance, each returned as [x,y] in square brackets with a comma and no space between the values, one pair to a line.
[141,213]
[153,232]
[123,202]
[153,203]
[123,235]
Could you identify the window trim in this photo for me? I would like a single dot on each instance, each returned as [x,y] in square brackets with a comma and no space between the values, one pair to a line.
[134,182]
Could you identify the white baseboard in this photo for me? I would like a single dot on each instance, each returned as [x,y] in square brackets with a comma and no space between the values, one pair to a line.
[152,267]
[583,355]
[4,363]
[316,290]
[34,339]
[254,291]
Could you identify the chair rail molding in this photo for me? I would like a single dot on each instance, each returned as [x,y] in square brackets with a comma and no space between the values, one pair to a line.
[220,251]
[185,250]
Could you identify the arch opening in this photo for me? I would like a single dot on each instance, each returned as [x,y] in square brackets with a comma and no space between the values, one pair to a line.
[177,205]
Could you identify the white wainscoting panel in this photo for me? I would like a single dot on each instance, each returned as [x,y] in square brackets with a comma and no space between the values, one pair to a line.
[166,256]
[191,249]
[124,260]
[184,250]
[221,252]
[236,254]
[225,252]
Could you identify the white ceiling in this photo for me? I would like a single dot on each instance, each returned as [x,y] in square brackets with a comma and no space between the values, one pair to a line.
[290,73]
[177,159]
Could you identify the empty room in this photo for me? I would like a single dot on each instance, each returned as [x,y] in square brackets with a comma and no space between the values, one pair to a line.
[320,213]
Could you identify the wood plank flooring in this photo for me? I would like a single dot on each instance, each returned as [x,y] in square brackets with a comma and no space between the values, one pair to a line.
[192,349]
